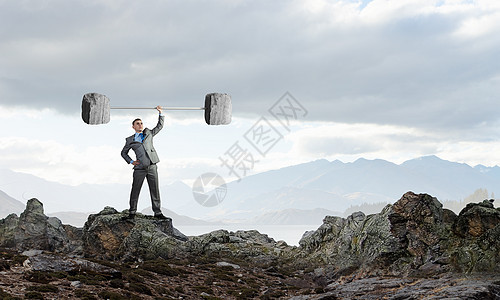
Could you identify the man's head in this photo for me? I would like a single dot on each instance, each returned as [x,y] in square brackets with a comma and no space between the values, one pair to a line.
[137,125]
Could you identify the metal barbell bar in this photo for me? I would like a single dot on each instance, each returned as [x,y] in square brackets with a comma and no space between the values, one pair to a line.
[218,109]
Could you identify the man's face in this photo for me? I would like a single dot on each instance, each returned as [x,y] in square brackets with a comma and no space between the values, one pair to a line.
[138,126]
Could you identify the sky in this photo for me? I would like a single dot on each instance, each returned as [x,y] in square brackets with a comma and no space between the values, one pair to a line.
[380,79]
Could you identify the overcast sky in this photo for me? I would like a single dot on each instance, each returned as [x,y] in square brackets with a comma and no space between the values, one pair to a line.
[389,79]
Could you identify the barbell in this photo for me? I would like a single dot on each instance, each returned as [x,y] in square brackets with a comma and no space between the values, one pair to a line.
[96,109]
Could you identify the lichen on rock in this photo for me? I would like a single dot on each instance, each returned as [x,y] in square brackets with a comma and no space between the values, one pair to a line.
[414,236]
[108,235]
[34,230]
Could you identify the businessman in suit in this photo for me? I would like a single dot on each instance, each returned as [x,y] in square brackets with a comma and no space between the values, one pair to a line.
[144,164]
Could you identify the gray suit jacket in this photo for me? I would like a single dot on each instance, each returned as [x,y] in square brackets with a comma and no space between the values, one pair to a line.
[145,152]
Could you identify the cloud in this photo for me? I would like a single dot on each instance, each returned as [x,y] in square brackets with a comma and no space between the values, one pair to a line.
[62,162]
[69,164]
[349,142]
[483,22]
[408,62]
[60,147]
[330,146]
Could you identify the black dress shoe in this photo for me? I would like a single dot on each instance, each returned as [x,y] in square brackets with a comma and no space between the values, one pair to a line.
[162,217]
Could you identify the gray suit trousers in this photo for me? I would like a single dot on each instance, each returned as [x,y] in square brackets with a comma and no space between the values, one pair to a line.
[151,174]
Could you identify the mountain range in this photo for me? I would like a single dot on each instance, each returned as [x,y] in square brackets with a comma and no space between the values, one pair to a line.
[329,185]
[9,205]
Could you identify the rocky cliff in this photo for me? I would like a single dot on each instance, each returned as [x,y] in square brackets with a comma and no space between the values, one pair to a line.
[415,236]
[399,249]
[34,230]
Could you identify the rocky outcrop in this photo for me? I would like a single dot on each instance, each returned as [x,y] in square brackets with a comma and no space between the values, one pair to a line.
[39,261]
[350,243]
[443,287]
[410,250]
[108,235]
[474,245]
[34,230]
[417,223]
[245,245]
[476,219]
[8,230]
[415,236]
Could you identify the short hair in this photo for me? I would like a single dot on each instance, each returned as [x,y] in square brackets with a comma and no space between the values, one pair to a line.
[133,122]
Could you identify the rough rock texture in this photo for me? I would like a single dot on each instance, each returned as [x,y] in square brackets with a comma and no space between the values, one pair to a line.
[218,109]
[353,242]
[245,245]
[474,245]
[412,237]
[34,230]
[413,249]
[107,235]
[484,287]
[7,231]
[48,262]
[95,109]
[42,275]
[476,219]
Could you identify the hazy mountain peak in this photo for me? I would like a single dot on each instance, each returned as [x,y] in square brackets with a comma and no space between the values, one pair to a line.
[177,184]
[429,157]
[426,158]
[360,160]
[318,183]
[372,162]
[435,162]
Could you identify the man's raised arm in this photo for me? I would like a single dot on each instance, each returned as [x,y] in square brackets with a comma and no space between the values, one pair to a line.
[161,121]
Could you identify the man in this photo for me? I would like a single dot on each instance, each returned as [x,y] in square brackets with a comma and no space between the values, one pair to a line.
[144,164]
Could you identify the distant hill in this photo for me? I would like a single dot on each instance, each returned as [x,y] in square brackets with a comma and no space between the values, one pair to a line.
[337,186]
[59,197]
[330,185]
[85,198]
[9,205]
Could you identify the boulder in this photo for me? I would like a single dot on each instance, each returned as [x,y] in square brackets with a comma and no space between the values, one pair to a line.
[351,243]
[417,222]
[50,262]
[34,230]
[108,235]
[95,109]
[415,236]
[8,230]
[245,245]
[475,244]
[476,219]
